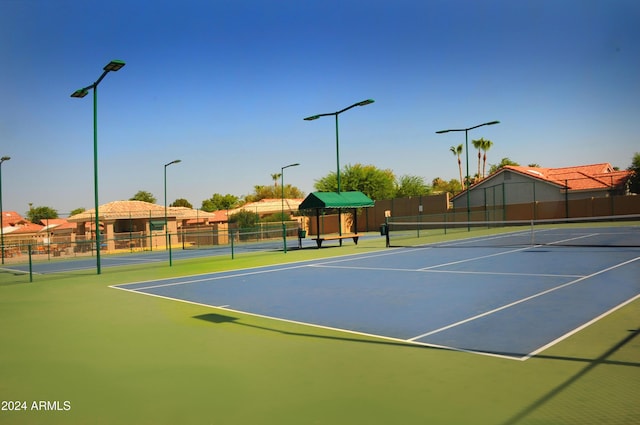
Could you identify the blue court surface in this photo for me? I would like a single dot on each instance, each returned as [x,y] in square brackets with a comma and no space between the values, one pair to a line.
[510,302]
[71,264]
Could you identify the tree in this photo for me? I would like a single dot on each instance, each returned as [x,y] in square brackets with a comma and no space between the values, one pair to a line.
[478,143]
[634,181]
[181,202]
[408,186]
[486,145]
[77,211]
[439,185]
[457,151]
[39,215]
[245,219]
[272,192]
[504,162]
[372,181]
[275,178]
[143,196]
[219,202]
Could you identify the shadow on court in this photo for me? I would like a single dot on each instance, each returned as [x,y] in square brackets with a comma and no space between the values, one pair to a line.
[592,364]
[221,319]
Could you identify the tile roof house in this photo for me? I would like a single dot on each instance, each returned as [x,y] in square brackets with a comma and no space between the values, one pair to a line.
[521,184]
[11,218]
[270,206]
[596,177]
[58,225]
[14,224]
[131,217]
[27,228]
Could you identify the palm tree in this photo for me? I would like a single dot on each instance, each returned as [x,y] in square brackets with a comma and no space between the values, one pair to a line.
[275,178]
[457,151]
[478,145]
[485,147]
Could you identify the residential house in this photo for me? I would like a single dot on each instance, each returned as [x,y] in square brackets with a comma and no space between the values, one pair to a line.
[513,185]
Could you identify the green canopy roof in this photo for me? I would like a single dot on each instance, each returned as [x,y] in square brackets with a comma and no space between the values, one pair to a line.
[320,200]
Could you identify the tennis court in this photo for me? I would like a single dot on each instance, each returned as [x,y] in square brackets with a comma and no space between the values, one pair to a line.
[488,294]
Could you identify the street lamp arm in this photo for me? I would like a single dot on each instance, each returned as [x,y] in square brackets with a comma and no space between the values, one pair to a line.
[467,129]
[287,166]
[362,103]
[175,161]
[114,66]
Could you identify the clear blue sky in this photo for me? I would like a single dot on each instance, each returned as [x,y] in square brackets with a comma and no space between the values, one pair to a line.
[224,86]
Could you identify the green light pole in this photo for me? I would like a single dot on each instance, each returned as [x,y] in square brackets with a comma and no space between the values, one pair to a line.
[3,159]
[315,117]
[466,154]
[166,222]
[114,65]
[284,228]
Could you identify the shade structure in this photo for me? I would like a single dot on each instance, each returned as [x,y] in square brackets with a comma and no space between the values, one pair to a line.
[339,200]
[320,201]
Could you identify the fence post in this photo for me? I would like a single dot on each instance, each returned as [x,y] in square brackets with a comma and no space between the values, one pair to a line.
[230,233]
[30,265]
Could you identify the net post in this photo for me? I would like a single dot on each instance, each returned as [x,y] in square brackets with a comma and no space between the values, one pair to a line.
[445,222]
[533,236]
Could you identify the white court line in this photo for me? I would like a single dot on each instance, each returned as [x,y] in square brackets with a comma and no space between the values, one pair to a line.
[539,294]
[444,271]
[501,253]
[211,277]
[466,260]
[477,239]
[226,307]
[133,260]
[579,328]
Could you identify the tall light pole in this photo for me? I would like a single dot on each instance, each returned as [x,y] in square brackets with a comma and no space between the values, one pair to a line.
[166,222]
[284,228]
[114,65]
[315,117]
[3,159]
[466,154]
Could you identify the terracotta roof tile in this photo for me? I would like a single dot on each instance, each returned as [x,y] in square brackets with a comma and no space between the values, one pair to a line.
[138,209]
[28,227]
[11,218]
[581,177]
[269,206]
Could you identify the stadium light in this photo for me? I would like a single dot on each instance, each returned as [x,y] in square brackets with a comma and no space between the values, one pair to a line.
[166,222]
[466,154]
[3,159]
[114,65]
[284,229]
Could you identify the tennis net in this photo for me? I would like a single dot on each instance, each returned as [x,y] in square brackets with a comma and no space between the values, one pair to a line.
[263,239]
[610,231]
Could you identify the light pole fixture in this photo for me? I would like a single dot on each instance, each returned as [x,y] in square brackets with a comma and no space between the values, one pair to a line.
[166,222]
[3,159]
[284,228]
[114,65]
[466,154]
[315,117]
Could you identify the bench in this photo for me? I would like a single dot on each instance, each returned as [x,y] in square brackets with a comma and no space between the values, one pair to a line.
[337,237]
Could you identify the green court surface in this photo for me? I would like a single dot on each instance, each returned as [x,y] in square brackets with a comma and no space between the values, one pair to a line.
[97,355]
